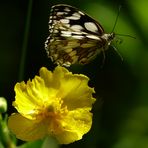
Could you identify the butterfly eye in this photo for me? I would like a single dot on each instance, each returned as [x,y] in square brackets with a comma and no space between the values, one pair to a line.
[111,37]
[74,37]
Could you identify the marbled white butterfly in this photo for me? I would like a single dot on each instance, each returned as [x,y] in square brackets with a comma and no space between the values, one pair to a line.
[74,37]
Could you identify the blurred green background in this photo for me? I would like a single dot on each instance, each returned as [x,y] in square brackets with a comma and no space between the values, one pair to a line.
[121,111]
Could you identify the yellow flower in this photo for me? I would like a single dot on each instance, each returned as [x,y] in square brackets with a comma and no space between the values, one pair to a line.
[54,104]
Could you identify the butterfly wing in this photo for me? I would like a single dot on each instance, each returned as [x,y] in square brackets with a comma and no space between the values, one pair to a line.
[74,37]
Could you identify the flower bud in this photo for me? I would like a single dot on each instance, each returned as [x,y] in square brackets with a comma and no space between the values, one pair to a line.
[3,105]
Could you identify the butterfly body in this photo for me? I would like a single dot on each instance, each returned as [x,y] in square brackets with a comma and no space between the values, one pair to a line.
[74,36]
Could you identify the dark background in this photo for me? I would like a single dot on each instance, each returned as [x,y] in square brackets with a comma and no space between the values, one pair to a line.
[121,110]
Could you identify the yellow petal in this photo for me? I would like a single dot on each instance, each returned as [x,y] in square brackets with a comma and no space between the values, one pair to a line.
[23,102]
[31,96]
[72,88]
[26,99]
[75,125]
[67,137]
[26,130]
[53,79]
[75,92]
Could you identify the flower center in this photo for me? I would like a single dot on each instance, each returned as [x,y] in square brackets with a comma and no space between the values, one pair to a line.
[54,110]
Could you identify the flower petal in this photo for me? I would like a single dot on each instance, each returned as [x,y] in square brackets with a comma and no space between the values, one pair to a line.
[75,91]
[75,125]
[31,96]
[72,88]
[25,129]
[53,79]
[28,96]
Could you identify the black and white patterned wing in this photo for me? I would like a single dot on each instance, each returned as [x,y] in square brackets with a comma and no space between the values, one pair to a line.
[74,37]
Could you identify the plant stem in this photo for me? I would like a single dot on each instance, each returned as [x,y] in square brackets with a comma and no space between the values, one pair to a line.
[25,41]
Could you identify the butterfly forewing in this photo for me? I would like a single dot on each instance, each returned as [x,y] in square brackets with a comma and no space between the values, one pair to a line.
[74,37]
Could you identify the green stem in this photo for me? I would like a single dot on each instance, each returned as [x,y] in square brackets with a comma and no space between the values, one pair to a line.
[25,41]
[6,140]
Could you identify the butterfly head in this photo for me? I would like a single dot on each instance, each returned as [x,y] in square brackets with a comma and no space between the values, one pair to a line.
[109,37]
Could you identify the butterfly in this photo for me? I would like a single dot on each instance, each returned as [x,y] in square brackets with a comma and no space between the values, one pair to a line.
[74,37]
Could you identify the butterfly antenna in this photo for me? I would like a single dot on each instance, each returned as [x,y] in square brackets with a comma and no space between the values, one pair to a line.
[126,35]
[116,18]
